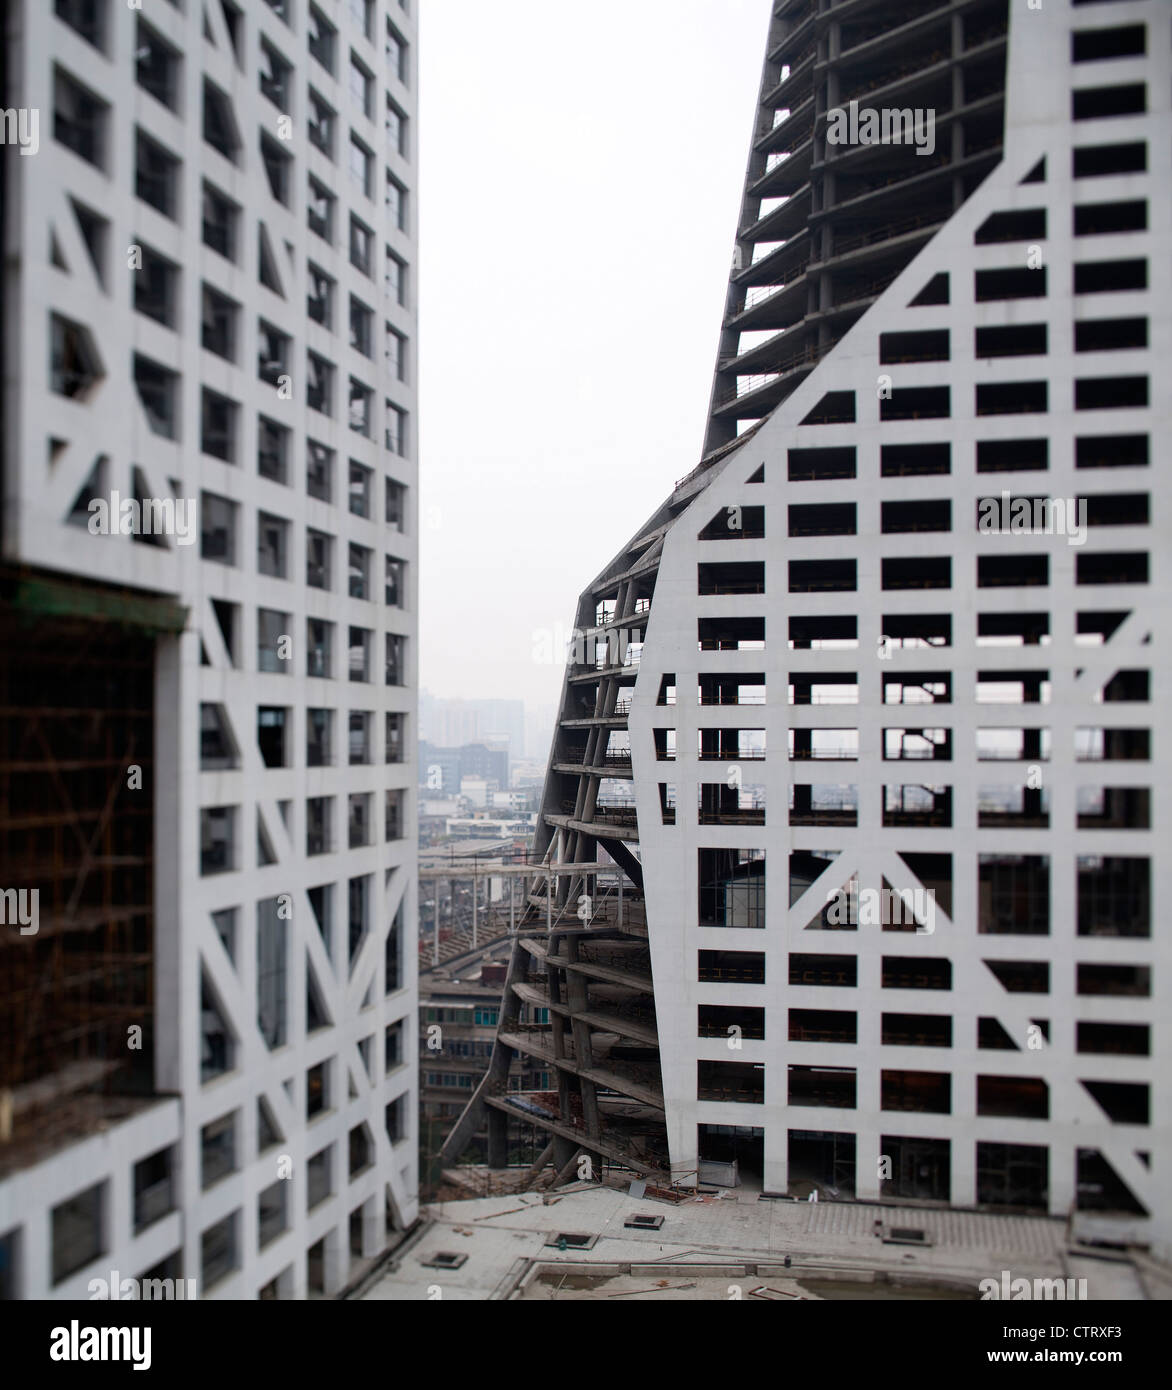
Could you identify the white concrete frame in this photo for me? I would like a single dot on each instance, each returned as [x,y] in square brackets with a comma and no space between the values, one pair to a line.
[111,422]
[1041,76]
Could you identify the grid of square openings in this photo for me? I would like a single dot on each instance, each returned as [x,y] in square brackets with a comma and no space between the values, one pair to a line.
[1112,891]
[324,428]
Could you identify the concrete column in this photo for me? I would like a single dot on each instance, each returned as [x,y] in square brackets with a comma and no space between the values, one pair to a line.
[498,1137]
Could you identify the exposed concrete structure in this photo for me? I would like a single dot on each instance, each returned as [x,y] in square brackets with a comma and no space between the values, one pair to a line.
[772,616]
[209,312]
[738,1246]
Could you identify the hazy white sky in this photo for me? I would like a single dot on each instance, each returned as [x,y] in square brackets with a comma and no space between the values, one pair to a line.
[581,172]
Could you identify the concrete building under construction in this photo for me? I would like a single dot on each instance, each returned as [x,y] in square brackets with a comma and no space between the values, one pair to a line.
[207,643]
[827,976]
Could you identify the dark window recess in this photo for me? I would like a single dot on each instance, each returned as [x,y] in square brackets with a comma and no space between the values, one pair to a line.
[153,1189]
[1114,896]
[1098,103]
[929,1092]
[1025,224]
[80,120]
[821,576]
[824,970]
[1114,808]
[992,1037]
[921,572]
[934,292]
[220,218]
[742,967]
[730,634]
[1012,398]
[917,403]
[1125,981]
[715,579]
[916,972]
[819,465]
[1014,1097]
[835,408]
[717,1021]
[731,888]
[1013,893]
[1110,335]
[1123,1039]
[1096,161]
[1125,1102]
[1100,1188]
[1111,393]
[156,175]
[78,1235]
[823,519]
[1110,277]
[731,1081]
[277,167]
[219,122]
[87,18]
[1107,219]
[736,524]
[804,632]
[899,517]
[1012,571]
[156,65]
[1124,686]
[932,629]
[906,460]
[1022,976]
[1112,567]
[1013,1176]
[931,345]
[1011,283]
[1114,745]
[270,734]
[916,1030]
[1016,340]
[1098,45]
[823,1025]
[1012,455]
[833,1087]
[1112,451]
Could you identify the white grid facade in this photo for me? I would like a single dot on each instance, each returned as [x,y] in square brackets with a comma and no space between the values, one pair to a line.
[857,680]
[336,897]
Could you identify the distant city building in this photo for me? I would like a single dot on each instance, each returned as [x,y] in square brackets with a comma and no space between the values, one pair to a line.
[444,769]
[450,723]
[475,828]
[477,791]
[459,1008]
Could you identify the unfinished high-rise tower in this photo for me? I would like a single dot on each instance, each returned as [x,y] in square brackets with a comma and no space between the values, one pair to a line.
[864,712]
